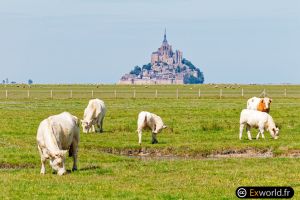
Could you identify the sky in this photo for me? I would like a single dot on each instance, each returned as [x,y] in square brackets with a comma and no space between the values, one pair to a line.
[97,41]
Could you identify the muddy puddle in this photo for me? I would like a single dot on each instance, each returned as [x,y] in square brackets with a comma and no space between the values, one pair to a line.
[168,154]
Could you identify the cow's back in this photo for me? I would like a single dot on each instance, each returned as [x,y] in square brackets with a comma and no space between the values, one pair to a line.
[64,127]
[252,103]
[94,108]
[253,117]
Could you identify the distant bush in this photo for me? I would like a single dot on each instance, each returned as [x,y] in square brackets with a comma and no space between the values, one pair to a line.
[190,79]
[188,63]
[147,67]
[137,70]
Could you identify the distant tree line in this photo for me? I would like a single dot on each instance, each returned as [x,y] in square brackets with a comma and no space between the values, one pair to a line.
[190,79]
[6,81]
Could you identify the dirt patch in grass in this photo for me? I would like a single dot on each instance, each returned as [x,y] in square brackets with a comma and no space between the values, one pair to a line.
[292,154]
[171,154]
[243,153]
[16,165]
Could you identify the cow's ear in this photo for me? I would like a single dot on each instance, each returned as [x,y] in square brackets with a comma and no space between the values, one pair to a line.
[164,126]
[271,100]
[63,153]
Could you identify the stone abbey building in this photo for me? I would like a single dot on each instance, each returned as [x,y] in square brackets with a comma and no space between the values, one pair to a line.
[166,67]
[165,54]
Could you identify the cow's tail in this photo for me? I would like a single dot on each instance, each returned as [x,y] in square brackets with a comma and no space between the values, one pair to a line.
[145,121]
[77,121]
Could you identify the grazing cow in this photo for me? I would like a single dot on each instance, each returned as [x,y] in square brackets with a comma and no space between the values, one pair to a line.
[57,135]
[93,115]
[261,120]
[152,121]
[260,104]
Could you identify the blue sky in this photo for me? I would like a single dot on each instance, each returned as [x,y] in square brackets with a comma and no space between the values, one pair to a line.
[96,41]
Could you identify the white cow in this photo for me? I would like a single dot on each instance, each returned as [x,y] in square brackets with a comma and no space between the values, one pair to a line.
[94,114]
[260,104]
[152,121]
[57,135]
[261,120]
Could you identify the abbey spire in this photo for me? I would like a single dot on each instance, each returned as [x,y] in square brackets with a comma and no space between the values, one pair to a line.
[165,37]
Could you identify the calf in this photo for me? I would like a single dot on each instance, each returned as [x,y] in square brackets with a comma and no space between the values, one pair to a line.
[261,120]
[152,121]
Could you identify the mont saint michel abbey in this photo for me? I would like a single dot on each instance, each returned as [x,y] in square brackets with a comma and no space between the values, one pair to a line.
[166,67]
[165,54]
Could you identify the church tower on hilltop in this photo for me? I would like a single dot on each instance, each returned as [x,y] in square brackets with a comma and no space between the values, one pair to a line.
[165,54]
[165,37]
[166,67]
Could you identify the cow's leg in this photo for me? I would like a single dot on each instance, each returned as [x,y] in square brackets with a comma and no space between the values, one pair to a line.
[43,161]
[248,132]
[261,131]
[74,147]
[154,140]
[140,136]
[97,126]
[257,136]
[93,128]
[97,129]
[241,131]
[101,125]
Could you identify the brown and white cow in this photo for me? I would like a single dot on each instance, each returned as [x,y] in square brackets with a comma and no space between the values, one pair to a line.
[57,135]
[260,104]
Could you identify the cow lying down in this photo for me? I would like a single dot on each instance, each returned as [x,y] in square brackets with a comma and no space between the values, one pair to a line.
[57,135]
[261,120]
[152,121]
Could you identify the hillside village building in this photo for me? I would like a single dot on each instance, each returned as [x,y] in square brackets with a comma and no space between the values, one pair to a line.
[167,67]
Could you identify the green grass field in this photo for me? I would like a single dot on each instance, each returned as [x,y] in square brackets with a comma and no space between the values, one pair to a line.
[183,165]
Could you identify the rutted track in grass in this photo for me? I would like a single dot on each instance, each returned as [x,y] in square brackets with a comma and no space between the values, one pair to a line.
[16,166]
[169,154]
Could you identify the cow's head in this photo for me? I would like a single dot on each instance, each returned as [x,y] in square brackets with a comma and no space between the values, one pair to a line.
[267,101]
[86,125]
[57,161]
[159,126]
[275,132]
